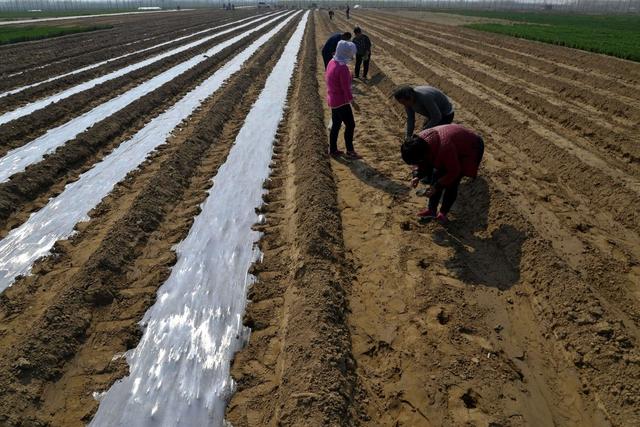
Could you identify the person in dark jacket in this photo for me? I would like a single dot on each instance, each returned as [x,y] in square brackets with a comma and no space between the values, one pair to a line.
[330,45]
[363,55]
[443,154]
[426,101]
[347,12]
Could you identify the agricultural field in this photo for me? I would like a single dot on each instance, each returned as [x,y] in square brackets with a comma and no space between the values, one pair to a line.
[616,35]
[177,248]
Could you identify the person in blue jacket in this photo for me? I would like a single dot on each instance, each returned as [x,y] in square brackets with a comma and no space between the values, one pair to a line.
[330,45]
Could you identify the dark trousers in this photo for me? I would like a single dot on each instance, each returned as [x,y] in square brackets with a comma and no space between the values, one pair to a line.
[449,194]
[365,63]
[448,119]
[341,115]
[326,57]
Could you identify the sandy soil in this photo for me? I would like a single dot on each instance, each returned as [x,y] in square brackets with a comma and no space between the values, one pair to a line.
[524,310]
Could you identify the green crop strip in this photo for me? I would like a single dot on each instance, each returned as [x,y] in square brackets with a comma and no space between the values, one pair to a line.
[21,34]
[615,35]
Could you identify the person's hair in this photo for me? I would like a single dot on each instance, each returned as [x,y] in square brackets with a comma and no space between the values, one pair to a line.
[357,30]
[414,150]
[404,92]
[346,35]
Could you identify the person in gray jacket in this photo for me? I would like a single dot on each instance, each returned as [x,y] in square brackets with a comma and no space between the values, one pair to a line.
[426,101]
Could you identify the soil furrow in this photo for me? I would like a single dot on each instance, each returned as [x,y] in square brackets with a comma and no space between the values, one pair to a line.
[619,108]
[548,67]
[561,215]
[564,162]
[93,308]
[480,322]
[297,368]
[615,71]
[30,189]
[579,128]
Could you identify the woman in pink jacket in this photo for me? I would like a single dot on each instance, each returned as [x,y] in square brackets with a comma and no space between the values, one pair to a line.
[339,97]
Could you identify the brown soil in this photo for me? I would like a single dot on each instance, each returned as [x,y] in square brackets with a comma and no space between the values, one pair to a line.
[297,369]
[524,310]
[81,307]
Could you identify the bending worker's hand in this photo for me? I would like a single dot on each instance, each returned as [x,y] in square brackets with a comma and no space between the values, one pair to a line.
[414,182]
[430,191]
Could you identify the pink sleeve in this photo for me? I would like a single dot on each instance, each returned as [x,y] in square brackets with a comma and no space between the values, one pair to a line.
[345,83]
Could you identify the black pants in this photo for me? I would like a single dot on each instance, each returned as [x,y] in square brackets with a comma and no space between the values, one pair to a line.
[365,63]
[450,193]
[326,57]
[341,115]
[448,119]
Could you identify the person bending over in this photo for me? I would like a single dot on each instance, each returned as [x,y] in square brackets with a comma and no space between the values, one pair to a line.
[426,101]
[444,154]
[329,48]
[339,98]
[363,55]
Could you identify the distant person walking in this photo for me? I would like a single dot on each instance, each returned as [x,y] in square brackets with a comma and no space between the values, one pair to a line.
[363,55]
[330,17]
[426,101]
[329,48]
[444,154]
[339,98]
[347,12]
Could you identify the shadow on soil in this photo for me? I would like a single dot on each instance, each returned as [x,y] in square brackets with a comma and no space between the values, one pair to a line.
[374,178]
[481,258]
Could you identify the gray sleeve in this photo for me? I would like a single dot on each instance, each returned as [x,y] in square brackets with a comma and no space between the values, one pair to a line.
[411,121]
[435,115]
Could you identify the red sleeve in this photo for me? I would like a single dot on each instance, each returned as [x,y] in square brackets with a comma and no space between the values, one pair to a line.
[345,83]
[448,157]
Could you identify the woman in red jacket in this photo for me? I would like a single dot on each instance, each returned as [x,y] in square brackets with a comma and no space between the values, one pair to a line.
[443,154]
[339,98]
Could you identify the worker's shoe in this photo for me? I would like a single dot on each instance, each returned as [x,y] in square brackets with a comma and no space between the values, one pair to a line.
[353,155]
[426,213]
[442,218]
[336,153]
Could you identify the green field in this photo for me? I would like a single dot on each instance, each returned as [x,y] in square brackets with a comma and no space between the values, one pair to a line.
[616,35]
[59,13]
[21,34]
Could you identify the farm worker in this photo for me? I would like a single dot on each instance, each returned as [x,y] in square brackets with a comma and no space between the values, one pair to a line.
[427,101]
[347,11]
[339,98]
[330,16]
[330,45]
[444,154]
[363,56]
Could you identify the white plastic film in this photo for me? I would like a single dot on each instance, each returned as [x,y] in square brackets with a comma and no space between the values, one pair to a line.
[101,63]
[35,237]
[19,158]
[179,372]
[42,103]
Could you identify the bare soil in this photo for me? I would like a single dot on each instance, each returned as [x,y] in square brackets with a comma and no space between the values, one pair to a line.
[523,311]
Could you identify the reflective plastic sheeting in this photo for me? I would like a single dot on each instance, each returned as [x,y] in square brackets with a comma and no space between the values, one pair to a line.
[37,105]
[35,238]
[98,64]
[19,158]
[179,372]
